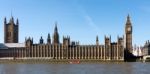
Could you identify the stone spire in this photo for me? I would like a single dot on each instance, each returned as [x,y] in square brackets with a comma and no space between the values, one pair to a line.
[5,20]
[97,40]
[41,40]
[11,19]
[55,30]
[56,35]
[48,39]
[17,22]
[128,22]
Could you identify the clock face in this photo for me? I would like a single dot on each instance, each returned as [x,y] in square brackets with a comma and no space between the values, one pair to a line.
[129,29]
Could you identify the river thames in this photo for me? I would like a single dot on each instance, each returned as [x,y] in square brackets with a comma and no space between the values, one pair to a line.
[99,68]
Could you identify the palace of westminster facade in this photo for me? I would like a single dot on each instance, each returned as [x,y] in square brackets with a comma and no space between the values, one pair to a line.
[67,49]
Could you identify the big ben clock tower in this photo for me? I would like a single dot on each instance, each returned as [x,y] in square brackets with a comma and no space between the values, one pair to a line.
[128,32]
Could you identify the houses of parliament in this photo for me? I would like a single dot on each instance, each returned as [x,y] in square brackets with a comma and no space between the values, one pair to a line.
[68,49]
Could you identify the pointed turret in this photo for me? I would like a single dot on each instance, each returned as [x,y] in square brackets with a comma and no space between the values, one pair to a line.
[48,39]
[41,40]
[5,21]
[97,40]
[17,22]
[32,40]
[55,30]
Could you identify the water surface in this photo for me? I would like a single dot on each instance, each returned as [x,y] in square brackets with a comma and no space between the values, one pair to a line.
[101,68]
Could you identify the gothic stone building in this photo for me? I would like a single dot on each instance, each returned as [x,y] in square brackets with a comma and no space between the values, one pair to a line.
[68,49]
[146,48]
[11,31]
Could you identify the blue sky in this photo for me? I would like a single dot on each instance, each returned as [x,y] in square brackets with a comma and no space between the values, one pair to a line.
[82,20]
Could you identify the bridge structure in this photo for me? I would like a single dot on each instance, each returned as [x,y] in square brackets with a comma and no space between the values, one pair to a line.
[145,57]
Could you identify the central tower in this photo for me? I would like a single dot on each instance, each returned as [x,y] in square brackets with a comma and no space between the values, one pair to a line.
[56,35]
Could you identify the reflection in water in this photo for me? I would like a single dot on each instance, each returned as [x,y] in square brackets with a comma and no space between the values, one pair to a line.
[102,68]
